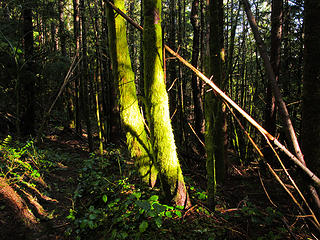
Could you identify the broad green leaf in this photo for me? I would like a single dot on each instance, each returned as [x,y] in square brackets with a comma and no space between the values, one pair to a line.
[178,213]
[104,198]
[143,226]
[169,214]
[154,198]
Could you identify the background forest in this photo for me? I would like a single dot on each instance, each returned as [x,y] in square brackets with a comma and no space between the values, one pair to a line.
[159,119]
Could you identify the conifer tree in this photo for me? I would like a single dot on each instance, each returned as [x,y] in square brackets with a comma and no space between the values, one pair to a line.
[214,115]
[132,120]
[167,162]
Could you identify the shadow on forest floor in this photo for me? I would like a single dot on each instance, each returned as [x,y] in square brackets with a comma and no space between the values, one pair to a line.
[243,210]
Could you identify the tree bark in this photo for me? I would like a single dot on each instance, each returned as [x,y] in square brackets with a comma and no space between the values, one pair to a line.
[311,87]
[25,104]
[164,147]
[276,33]
[214,114]
[196,93]
[276,91]
[62,33]
[137,138]
[76,32]
[84,96]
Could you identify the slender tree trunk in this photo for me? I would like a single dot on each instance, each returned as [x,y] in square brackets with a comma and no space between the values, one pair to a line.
[171,177]
[196,93]
[76,29]
[62,33]
[215,120]
[171,73]
[132,120]
[276,33]
[26,111]
[84,96]
[276,91]
[54,39]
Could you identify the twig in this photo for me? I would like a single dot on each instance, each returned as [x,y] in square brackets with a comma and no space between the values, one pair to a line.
[228,100]
[265,190]
[194,132]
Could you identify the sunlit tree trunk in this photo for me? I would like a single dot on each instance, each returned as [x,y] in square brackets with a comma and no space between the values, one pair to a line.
[132,120]
[214,115]
[171,177]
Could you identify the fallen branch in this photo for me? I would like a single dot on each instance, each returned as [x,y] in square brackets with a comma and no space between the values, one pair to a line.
[227,99]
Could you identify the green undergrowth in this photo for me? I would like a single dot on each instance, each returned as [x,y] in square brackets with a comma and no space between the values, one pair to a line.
[111,203]
[23,165]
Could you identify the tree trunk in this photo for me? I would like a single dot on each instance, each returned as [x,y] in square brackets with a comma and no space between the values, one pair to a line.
[215,120]
[171,177]
[137,138]
[276,32]
[276,91]
[25,104]
[196,93]
[311,87]
[62,33]
[84,96]
[76,29]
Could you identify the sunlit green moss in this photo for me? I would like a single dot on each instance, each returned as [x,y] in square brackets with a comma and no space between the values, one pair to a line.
[158,107]
[131,117]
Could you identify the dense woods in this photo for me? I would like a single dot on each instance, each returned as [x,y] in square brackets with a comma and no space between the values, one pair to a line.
[159,119]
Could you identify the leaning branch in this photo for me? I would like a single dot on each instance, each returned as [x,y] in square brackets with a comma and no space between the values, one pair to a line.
[227,99]
[276,91]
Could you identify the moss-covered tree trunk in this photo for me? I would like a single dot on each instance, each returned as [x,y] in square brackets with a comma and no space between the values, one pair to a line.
[171,177]
[214,115]
[137,138]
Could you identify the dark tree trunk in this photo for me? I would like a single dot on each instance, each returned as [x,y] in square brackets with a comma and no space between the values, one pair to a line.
[276,33]
[214,114]
[84,96]
[27,93]
[76,28]
[311,87]
[62,33]
[196,93]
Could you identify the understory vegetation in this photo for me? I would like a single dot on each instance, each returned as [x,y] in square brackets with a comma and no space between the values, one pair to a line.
[159,119]
[101,197]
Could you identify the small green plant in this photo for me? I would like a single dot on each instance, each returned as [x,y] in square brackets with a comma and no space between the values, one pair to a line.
[109,199]
[20,163]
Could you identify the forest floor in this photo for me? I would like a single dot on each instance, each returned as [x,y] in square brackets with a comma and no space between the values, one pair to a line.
[91,206]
